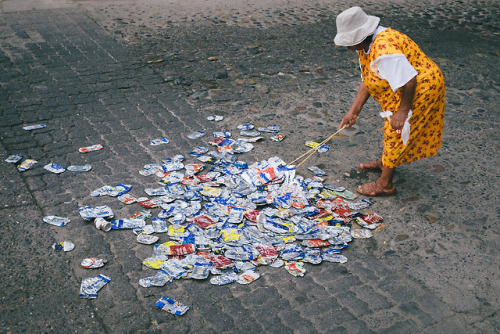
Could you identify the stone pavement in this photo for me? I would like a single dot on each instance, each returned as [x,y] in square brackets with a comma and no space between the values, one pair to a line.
[104,75]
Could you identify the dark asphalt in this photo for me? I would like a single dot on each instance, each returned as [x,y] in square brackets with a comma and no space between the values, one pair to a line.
[100,79]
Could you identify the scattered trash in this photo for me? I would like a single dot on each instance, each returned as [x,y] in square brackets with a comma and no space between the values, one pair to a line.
[224,279]
[127,223]
[244,127]
[127,199]
[159,141]
[90,148]
[332,257]
[142,215]
[247,277]
[116,191]
[196,135]
[369,221]
[198,151]
[34,127]
[14,158]
[322,149]
[93,263]
[56,221]
[250,133]
[295,268]
[223,218]
[361,233]
[359,204]
[171,305]
[26,164]
[270,129]
[79,168]
[278,137]
[90,286]
[146,239]
[251,140]
[154,61]
[54,168]
[216,118]
[88,213]
[317,171]
[222,134]
[235,218]
[102,224]
[66,246]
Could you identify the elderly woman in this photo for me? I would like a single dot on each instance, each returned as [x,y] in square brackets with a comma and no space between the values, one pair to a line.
[408,86]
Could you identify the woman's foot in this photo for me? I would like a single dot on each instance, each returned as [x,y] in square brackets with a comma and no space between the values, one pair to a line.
[373,189]
[371,166]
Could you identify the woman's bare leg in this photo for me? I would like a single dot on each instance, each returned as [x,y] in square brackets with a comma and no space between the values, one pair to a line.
[385,179]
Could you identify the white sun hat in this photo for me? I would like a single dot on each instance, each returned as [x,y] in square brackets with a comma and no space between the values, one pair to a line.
[353,26]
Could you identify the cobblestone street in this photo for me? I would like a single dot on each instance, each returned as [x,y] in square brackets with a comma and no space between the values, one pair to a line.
[120,73]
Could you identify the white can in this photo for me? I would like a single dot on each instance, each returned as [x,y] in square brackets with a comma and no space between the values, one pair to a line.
[102,224]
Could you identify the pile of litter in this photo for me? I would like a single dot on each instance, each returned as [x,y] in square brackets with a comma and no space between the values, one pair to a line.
[224,218]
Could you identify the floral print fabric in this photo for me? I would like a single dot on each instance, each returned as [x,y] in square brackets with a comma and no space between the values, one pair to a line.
[427,106]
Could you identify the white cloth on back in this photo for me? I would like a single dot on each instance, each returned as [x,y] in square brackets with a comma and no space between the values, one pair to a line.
[394,68]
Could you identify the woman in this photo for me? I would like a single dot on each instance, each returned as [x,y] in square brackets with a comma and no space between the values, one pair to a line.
[408,86]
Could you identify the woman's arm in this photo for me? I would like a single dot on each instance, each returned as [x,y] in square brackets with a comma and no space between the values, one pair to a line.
[350,117]
[407,94]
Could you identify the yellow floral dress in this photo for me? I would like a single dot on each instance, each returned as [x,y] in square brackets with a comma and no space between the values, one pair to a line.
[427,106]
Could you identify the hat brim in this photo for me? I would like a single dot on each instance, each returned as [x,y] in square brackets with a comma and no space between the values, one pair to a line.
[356,36]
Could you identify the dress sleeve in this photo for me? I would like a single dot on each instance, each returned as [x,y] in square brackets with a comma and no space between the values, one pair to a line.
[394,68]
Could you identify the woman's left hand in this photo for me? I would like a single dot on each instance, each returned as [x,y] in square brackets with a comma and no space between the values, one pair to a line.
[398,119]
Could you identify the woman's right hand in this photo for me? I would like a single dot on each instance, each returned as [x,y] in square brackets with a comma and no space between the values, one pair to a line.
[348,120]
[350,117]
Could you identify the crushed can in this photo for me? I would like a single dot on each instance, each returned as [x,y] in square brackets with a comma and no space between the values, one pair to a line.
[159,141]
[56,221]
[34,127]
[54,168]
[26,164]
[14,158]
[171,305]
[89,149]
[90,286]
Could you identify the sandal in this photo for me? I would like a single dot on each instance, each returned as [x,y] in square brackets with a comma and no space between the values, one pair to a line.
[371,166]
[373,189]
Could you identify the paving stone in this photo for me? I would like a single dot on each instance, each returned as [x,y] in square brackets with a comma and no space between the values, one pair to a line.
[262,295]
[124,319]
[220,321]
[431,305]
[328,322]
[399,289]
[357,326]
[366,275]
[26,140]
[35,183]
[496,323]
[320,306]
[58,149]
[342,315]
[367,294]
[406,326]
[355,305]
[274,325]
[241,316]
[293,319]
[316,293]
[341,284]
[423,319]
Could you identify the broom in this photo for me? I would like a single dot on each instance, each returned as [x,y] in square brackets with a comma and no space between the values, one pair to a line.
[313,150]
